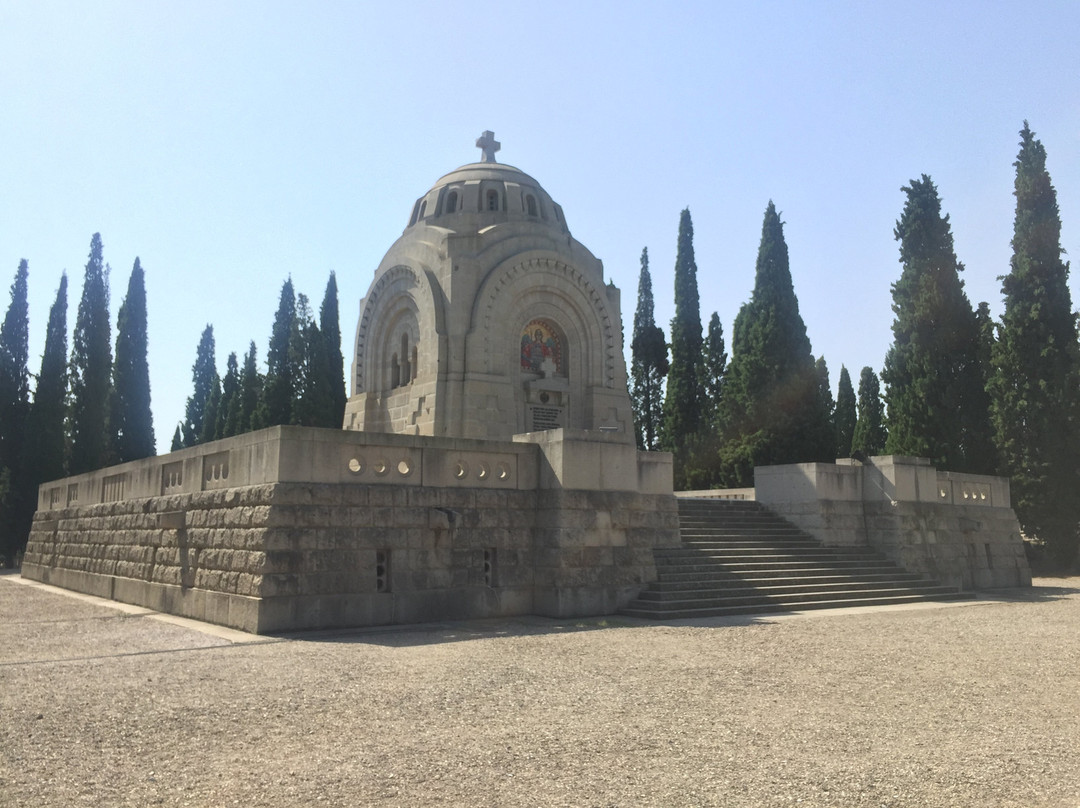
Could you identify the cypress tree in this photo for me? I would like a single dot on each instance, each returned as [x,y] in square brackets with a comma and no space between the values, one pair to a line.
[279,387]
[45,460]
[934,388]
[683,420]
[715,368]
[772,409]
[1035,377]
[228,415]
[870,435]
[648,364]
[200,410]
[825,402]
[177,440]
[91,370]
[246,401]
[330,326]
[208,432]
[845,414]
[132,421]
[315,403]
[16,504]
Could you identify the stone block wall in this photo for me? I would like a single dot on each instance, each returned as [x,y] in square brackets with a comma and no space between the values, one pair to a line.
[319,547]
[957,528]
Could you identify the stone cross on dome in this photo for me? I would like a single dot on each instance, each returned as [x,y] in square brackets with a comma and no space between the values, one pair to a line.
[488,145]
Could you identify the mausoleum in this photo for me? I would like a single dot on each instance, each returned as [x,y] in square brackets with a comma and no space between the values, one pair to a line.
[487,467]
[488,319]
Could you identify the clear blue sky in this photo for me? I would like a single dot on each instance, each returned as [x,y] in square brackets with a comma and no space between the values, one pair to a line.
[232,144]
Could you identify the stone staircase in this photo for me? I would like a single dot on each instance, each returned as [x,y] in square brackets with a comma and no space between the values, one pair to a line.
[738,557]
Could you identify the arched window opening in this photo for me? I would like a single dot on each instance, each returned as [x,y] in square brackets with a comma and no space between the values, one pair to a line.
[415,362]
[530,204]
[423,209]
[492,200]
[395,372]
[451,202]
[415,213]
[406,371]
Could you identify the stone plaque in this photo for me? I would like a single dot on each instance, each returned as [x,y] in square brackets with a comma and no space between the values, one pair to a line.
[541,418]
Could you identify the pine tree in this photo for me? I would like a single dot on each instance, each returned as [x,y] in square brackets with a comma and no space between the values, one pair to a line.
[279,387]
[648,364]
[315,403]
[845,414]
[45,460]
[91,370]
[203,401]
[132,421]
[330,326]
[772,409]
[1035,377]
[16,502]
[228,412]
[937,402]
[870,435]
[685,395]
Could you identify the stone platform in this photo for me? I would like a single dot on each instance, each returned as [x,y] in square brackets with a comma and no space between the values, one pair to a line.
[294,528]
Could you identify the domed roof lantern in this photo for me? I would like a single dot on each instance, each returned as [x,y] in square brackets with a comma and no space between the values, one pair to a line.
[478,195]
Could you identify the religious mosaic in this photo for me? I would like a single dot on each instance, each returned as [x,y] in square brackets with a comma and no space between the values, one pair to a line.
[541,348]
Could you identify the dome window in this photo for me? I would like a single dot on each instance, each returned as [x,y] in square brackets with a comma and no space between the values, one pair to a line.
[530,204]
[423,209]
[492,199]
[451,202]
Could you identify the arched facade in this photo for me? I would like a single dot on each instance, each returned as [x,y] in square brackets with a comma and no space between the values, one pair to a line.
[487,319]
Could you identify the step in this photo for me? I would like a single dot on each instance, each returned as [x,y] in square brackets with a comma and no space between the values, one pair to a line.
[728,611]
[747,597]
[775,585]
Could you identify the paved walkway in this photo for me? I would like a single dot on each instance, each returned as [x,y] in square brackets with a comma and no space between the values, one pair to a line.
[968,704]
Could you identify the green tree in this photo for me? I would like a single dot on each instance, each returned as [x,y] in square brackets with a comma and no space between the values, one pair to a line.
[685,394]
[315,404]
[870,435]
[715,367]
[825,402]
[210,414]
[279,387]
[845,414]
[177,440]
[132,421]
[937,402]
[772,409]
[45,460]
[228,411]
[244,405]
[330,326]
[16,503]
[648,364]
[202,403]
[90,373]
[1035,377]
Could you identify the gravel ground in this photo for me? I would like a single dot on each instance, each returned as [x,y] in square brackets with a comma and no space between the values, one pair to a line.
[960,705]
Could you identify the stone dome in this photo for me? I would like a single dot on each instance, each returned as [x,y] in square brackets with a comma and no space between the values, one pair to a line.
[479,195]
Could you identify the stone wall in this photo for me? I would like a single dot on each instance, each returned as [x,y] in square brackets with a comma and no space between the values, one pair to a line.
[957,528]
[292,528]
